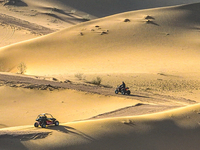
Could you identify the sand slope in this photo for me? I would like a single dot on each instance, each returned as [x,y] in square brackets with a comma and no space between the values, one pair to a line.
[28,19]
[66,105]
[158,131]
[155,40]
[25,96]
[25,20]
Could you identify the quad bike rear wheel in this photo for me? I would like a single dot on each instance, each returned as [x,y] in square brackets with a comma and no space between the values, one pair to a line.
[43,125]
[36,124]
[123,92]
[128,92]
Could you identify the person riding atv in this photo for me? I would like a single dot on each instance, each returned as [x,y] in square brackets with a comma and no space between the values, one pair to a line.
[123,85]
[123,89]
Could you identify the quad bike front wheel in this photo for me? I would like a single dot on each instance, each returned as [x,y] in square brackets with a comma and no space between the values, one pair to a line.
[36,124]
[116,91]
[56,123]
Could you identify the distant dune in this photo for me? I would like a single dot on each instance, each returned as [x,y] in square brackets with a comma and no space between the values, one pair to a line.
[25,19]
[104,8]
[154,40]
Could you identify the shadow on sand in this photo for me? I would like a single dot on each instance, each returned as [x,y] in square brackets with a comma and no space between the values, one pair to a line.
[133,95]
[152,22]
[70,130]
[16,3]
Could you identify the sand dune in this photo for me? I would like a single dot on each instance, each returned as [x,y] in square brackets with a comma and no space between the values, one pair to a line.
[105,8]
[67,105]
[56,15]
[25,20]
[155,51]
[158,131]
[110,45]
[28,96]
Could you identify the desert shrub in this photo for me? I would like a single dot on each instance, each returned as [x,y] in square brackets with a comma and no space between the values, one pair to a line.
[127,20]
[86,17]
[73,11]
[22,68]
[53,9]
[97,81]
[149,17]
[79,76]
[104,32]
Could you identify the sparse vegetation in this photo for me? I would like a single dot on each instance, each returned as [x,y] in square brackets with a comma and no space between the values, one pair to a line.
[53,9]
[86,17]
[73,11]
[54,79]
[127,20]
[104,32]
[22,68]
[148,21]
[97,81]
[79,76]
[149,17]
[164,85]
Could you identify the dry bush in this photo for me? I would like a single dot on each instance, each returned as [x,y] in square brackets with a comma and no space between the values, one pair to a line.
[127,20]
[73,11]
[22,68]
[79,76]
[97,81]
[86,17]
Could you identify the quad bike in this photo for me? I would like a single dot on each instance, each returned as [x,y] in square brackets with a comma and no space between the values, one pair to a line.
[122,90]
[45,119]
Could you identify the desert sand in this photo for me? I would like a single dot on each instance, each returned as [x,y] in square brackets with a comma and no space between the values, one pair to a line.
[53,52]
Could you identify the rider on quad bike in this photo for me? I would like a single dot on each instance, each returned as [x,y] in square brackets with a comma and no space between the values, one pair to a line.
[123,89]
[123,85]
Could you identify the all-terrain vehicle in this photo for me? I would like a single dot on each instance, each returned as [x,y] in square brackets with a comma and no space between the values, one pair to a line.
[123,91]
[45,119]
